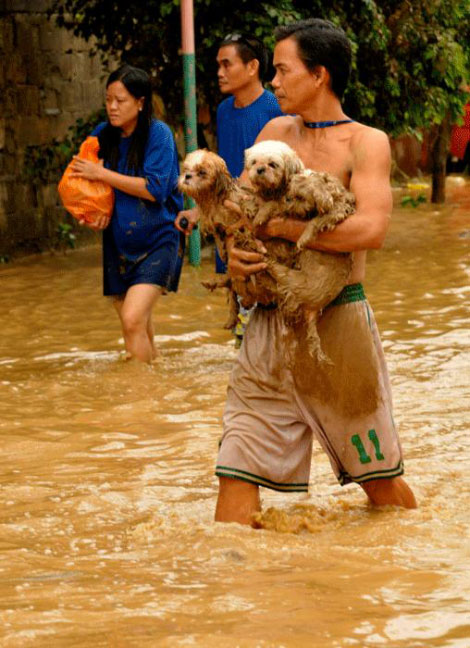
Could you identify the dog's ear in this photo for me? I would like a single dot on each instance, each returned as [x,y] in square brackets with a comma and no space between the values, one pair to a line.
[293,165]
[223,182]
[248,159]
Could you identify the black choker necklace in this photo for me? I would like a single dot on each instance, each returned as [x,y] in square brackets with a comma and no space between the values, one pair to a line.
[326,124]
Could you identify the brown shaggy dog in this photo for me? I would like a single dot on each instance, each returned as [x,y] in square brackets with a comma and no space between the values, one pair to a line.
[302,283]
[205,178]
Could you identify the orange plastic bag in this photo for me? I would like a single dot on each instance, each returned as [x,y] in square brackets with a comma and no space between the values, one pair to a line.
[86,199]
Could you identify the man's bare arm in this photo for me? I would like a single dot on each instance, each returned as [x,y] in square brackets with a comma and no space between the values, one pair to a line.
[370,183]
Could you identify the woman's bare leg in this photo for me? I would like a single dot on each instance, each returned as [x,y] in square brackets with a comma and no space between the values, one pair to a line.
[151,335]
[135,313]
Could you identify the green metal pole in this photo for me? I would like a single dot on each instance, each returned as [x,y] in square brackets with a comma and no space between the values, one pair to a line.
[190,108]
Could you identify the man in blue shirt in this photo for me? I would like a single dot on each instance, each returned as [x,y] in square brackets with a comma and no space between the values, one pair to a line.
[242,67]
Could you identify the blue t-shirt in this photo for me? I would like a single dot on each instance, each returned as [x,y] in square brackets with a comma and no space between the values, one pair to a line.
[137,223]
[237,128]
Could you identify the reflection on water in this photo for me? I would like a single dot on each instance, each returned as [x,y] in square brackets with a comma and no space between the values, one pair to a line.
[107,489]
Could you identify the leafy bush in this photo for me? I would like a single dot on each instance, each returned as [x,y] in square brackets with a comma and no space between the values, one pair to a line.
[45,164]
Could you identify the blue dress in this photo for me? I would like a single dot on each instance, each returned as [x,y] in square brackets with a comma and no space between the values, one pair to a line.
[141,243]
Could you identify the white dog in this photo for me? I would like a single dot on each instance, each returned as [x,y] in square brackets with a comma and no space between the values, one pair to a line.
[285,188]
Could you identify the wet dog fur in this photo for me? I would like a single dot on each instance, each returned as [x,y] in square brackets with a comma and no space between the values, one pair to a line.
[301,282]
[285,188]
[310,280]
[344,370]
[205,178]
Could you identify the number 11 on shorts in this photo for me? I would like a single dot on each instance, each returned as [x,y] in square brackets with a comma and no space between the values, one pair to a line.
[363,456]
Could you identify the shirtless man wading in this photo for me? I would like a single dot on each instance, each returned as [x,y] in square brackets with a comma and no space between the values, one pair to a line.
[269,425]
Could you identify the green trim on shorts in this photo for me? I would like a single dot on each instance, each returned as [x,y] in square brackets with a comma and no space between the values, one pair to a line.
[345,478]
[352,293]
[243,475]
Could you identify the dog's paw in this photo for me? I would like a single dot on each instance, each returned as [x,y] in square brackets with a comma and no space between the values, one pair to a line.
[209,285]
[302,242]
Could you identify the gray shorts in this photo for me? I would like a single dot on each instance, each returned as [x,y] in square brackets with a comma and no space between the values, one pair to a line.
[273,412]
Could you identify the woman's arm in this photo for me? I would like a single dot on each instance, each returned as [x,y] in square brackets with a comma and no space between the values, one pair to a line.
[158,173]
[95,171]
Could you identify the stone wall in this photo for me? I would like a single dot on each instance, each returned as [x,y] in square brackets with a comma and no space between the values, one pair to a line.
[47,81]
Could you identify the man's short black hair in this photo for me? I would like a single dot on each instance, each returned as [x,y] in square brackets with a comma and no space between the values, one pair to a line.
[249,48]
[320,42]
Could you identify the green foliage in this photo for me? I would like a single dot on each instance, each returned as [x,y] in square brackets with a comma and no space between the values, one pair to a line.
[65,236]
[413,201]
[44,164]
[410,58]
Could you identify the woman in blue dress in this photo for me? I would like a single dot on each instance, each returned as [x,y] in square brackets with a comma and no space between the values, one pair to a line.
[142,250]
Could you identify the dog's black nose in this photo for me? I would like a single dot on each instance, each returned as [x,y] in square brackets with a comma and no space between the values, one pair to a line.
[260,170]
[188,176]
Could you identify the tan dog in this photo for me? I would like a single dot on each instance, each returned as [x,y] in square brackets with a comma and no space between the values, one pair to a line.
[345,370]
[322,199]
[205,178]
[309,280]
[303,282]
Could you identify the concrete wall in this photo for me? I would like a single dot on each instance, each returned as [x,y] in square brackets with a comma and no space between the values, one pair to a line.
[47,81]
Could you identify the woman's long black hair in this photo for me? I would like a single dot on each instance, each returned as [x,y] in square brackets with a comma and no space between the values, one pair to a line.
[137,83]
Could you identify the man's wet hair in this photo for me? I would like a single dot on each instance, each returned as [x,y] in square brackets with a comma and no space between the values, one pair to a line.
[320,42]
[249,48]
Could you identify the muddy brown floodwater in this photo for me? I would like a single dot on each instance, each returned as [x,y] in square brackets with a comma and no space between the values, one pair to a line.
[107,489]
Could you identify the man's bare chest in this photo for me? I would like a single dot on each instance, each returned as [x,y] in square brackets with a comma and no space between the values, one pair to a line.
[324,154]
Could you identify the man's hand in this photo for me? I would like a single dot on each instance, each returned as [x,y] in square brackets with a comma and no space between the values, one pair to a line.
[241,264]
[192,217]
